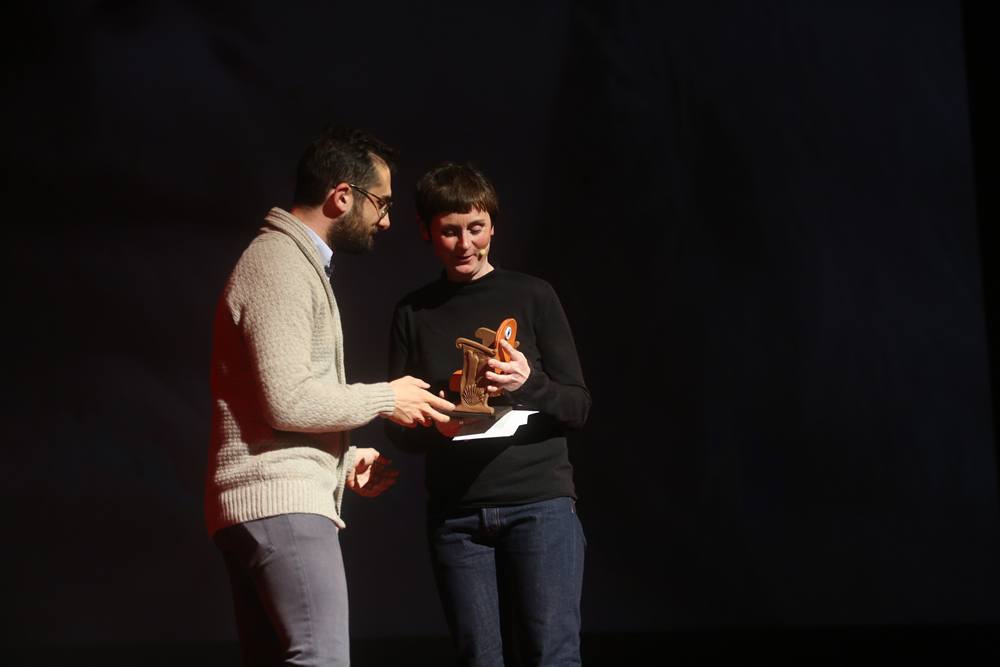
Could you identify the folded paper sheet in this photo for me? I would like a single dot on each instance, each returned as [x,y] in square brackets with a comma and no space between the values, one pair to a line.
[487,428]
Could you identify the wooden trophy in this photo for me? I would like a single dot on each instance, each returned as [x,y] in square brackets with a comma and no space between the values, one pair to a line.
[471,382]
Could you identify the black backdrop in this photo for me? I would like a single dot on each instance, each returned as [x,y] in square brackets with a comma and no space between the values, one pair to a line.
[761,218]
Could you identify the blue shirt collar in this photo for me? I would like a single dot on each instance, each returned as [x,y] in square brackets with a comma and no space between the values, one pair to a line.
[325,253]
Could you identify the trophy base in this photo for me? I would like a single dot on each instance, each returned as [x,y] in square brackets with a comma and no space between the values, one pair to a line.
[467,415]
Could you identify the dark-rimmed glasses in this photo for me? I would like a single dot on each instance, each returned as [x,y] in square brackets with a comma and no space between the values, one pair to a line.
[381,204]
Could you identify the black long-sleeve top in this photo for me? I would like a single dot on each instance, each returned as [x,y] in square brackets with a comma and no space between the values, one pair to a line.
[531,465]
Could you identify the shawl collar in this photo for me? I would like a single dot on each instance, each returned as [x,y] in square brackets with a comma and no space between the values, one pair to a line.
[280,220]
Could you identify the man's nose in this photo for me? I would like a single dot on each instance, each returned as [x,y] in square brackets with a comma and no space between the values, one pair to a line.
[384,223]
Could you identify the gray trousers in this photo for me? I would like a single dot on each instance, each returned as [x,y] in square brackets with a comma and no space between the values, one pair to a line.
[289,590]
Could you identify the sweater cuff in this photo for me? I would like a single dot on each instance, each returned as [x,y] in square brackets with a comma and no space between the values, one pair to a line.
[531,390]
[383,399]
[350,458]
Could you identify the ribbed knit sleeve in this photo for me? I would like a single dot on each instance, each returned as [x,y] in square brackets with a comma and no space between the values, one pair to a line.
[275,309]
[555,386]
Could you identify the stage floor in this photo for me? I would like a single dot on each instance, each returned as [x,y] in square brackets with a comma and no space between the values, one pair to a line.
[966,645]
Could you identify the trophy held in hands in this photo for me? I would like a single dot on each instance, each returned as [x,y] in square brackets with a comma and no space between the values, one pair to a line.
[471,382]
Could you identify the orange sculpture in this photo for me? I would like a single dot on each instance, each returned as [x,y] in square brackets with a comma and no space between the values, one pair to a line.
[471,382]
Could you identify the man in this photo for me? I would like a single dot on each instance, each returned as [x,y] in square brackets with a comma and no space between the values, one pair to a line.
[506,544]
[282,409]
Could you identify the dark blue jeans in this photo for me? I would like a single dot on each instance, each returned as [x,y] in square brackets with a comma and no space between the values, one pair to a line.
[510,580]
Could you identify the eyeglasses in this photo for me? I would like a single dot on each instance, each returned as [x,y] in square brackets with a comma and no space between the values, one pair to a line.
[381,204]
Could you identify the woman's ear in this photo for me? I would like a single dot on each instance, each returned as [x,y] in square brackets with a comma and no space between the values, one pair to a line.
[425,232]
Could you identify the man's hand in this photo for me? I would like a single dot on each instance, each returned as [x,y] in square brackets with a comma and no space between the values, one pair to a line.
[450,428]
[371,474]
[515,372]
[415,405]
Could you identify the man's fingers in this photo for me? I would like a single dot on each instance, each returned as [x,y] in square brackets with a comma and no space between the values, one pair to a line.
[440,403]
[376,479]
[418,382]
[410,380]
[381,480]
[389,476]
[437,416]
[402,419]
[385,470]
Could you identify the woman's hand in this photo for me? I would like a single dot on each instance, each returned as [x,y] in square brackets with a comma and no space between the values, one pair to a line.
[514,372]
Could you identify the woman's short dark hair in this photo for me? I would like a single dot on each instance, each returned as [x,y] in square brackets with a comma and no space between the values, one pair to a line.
[338,155]
[455,188]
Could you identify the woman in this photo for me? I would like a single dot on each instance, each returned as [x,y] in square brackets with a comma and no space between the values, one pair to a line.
[506,544]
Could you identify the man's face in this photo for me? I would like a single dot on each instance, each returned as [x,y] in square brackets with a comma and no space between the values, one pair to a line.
[461,242]
[355,231]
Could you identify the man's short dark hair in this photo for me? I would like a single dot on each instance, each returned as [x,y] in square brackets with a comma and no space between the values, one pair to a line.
[338,155]
[455,188]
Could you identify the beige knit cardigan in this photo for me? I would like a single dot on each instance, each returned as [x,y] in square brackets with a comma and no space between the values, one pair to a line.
[282,408]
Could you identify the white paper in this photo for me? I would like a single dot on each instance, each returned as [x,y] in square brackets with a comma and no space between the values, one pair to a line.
[501,428]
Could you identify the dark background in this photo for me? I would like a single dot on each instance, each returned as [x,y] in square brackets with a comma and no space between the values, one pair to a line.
[761,218]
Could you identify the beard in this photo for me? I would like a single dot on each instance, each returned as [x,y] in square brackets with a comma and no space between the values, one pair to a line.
[352,234]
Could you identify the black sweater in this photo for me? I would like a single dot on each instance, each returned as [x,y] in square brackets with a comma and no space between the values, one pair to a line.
[531,465]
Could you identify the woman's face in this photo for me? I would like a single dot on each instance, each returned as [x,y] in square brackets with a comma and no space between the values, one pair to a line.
[462,242]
